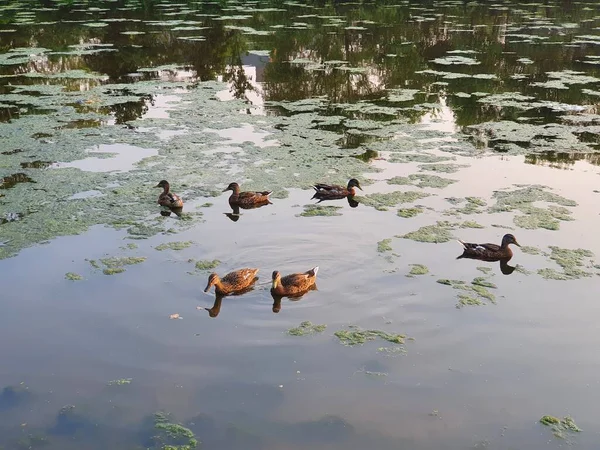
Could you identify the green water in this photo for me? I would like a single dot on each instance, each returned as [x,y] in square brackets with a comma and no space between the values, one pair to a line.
[461,121]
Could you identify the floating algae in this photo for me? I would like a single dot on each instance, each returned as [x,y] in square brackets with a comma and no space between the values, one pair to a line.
[530,250]
[382,202]
[306,328]
[172,436]
[384,245]
[422,180]
[560,426]
[73,276]
[115,265]
[438,233]
[207,264]
[474,205]
[174,245]
[319,210]
[534,217]
[418,269]
[407,213]
[570,260]
[120,382]
[442,168]
[478,287]
[471,224]
[484,269]
[356,336]
[467,300]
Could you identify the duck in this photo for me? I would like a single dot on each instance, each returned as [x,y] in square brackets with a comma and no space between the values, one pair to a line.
[247,199]
[489,252]
[236,282]
[167,198]
[334,191]
[294,284]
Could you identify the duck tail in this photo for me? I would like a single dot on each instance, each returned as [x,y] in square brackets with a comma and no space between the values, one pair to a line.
[463,243]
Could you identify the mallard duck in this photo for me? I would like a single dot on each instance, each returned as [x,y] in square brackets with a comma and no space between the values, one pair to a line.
[234,282]
[334,191]
[167,198]
[489,252]
[246,199]
[294,284]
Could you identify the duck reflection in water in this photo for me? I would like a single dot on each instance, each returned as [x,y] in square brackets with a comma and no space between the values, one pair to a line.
[293,286]
[491,252]
[166,211]
[294,298]
[336,192]
[235,215]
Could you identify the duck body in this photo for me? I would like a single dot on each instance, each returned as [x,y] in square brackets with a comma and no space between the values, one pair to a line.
[236,282]
[167,198]
[293,284]
[489,252]
[248,199]
[335,192]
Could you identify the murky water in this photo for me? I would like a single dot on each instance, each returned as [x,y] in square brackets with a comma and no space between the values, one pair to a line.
[461,121]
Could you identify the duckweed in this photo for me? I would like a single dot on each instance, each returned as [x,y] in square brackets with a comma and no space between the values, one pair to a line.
[478,286]
[442,168]
[422,180]
[320,210]
[113,270]
[207,264]
[174,245]
[115,262]
[481,281]
[356,336]
[484,269]
[530,250]
[306,328]
[407,213]
[73,276]
[418,269]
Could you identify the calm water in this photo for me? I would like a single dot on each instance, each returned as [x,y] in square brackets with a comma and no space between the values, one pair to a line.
[447,100]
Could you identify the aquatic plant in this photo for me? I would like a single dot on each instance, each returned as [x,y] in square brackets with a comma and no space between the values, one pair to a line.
[306,328]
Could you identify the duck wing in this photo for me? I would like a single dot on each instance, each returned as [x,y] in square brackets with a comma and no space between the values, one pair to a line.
[480,248]
[327,187]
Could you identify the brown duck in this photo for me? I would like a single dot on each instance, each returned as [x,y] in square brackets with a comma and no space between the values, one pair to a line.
[246,199]
[334,191]
[167,198]
[294,284]
[489,252]
[233,283]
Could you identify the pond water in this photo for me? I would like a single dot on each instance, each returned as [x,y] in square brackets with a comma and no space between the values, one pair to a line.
[462,120]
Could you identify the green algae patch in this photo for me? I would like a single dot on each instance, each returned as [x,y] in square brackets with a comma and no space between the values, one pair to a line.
[471,224]
[115,265]
[382,202]
[530,250]
[477,291]
[73,276]
[119,382]
[206,264]
[422,180]
[560,427]
[571,262]
[442,168]
[484,269]
[356,336]
[172,436]
[180,245]
[522,200]
[113,270]
[94,264]
[467,300]
[418,269]
[473,205]
[438,233]
[306,328]
[384,245]
[481,281]
[407,213]
[320,210]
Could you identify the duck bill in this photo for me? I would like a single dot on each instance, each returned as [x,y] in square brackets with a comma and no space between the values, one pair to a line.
[517,244]
[208,286]
[274,286]
[225,190]
[359,187]
[158,185]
